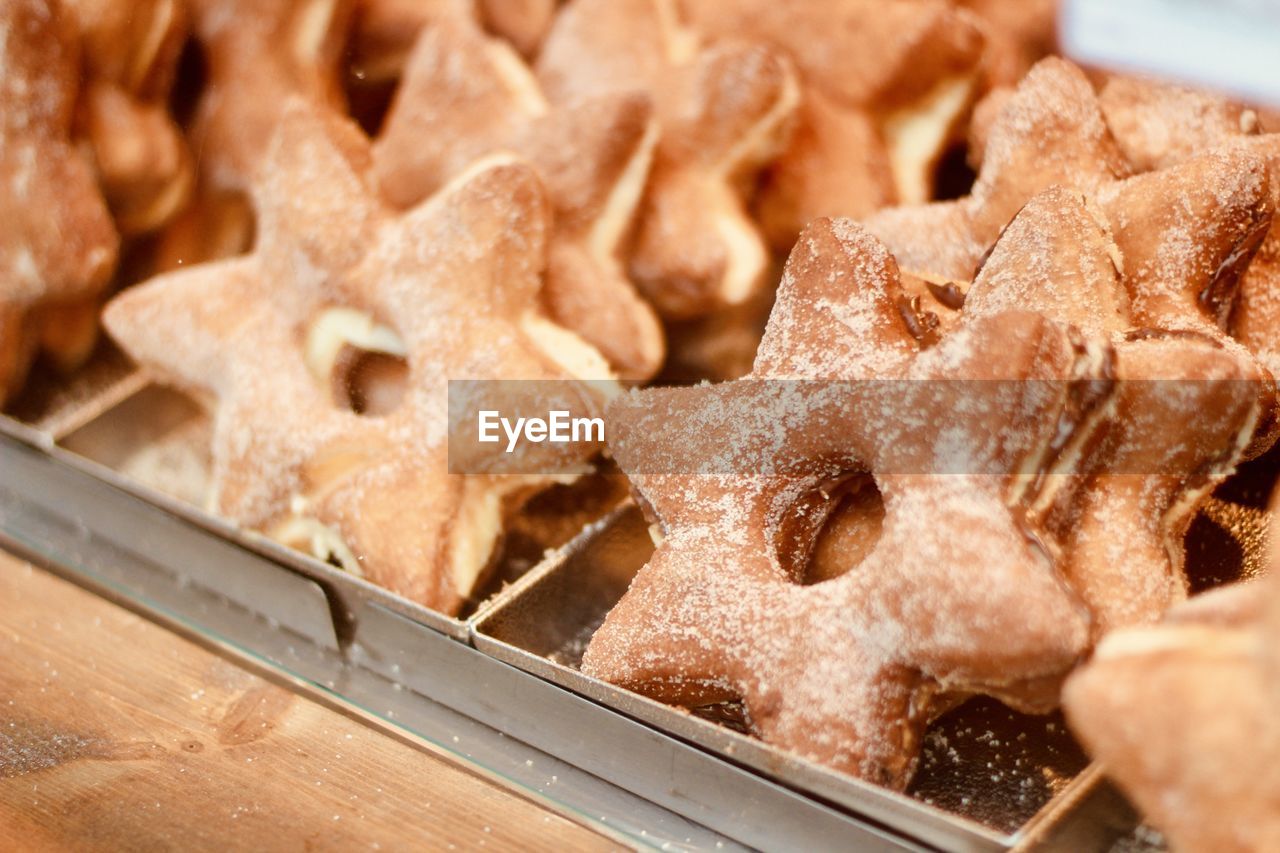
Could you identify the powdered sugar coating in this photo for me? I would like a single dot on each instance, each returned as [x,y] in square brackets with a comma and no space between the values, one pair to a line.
[723,109]
[465,96]
[844,671]
[1204,775]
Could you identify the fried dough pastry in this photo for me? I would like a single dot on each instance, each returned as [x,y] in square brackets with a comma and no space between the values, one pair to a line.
[131,50]
[465,96]
[259,55]
[1183,717]
[1186,233]
[1160,126]
[1187,404]
[58,247]
[450,286]
[723,108]
[956,595]
[886,84]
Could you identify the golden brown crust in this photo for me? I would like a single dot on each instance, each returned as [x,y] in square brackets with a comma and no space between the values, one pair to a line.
[848,668]
[58,246]
[465,96]
[1182,716]
[723,110]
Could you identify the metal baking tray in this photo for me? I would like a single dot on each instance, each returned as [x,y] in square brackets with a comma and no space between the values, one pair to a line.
[112,459]
[94,496]
[988,778]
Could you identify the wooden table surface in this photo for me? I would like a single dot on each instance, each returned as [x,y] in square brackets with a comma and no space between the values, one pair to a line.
[117,734]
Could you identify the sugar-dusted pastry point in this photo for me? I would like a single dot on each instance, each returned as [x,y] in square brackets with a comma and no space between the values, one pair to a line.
[723,109]
[1181,715]
[464,96]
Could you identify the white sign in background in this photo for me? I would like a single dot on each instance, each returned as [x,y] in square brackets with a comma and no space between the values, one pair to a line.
[1229,45]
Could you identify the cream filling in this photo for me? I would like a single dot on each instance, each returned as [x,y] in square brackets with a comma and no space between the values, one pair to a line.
[681,42]
[306,533]
[476,529]
[166,204]
[1054,477]
[655,535]
[313,28]
[747,255]
[146,54]
[1249,125]
[572,354]
[620,206]
[517,77]
[336,328]
[916,134]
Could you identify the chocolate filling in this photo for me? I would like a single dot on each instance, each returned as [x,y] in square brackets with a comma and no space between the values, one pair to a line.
[1219,296]
[1085,395]
[921,324]
[949,295]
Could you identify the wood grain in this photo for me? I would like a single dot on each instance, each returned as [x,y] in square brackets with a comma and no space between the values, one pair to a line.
[117,734]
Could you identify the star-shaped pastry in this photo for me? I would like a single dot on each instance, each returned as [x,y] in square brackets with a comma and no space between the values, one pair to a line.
[1186,233]
[130,55]
[723,109]
[464,96]
[1049,132]
[886,84]
[1160,126]
[1182,717]
[957,593]
[259,54]
[450,287]
[1187,403]
[58,246]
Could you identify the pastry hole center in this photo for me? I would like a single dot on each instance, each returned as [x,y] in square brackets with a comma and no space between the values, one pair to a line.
[850,533]
[363,363]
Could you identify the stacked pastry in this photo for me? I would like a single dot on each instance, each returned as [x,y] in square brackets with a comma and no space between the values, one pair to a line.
[972,434]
